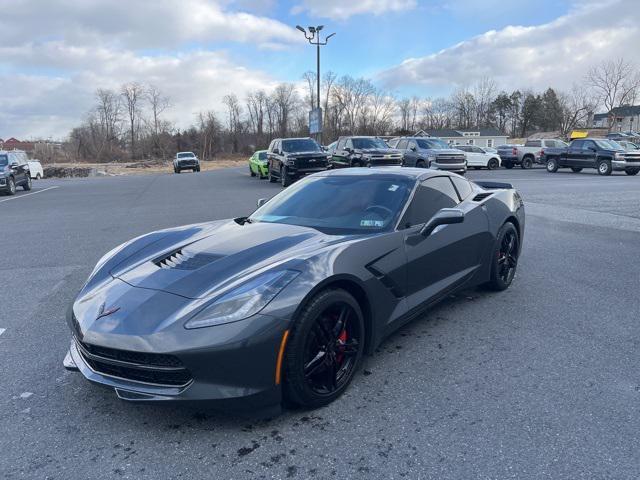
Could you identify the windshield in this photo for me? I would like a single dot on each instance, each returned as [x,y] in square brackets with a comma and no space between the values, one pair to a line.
[366,143]
[435,143]
[300,145]
[262,155]
[609,144]
[340,204]
[4,160]
[186,155]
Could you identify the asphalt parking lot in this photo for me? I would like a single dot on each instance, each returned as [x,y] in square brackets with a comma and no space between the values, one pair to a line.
[540,381]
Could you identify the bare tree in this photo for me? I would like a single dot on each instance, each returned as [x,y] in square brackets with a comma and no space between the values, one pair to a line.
[310,78]
[615,83]
[284,100]
[158,103]
[131,93]
[575,109]
[234,111]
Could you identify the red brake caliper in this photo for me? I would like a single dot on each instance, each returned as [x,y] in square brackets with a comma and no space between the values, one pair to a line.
[343,340]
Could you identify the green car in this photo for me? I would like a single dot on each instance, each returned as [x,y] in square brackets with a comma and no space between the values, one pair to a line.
[258,164]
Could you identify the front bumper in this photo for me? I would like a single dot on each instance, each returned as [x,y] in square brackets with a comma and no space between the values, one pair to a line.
[292,171]
[4,185]
[233,365]
[450,167]
[187,165]
[619,165]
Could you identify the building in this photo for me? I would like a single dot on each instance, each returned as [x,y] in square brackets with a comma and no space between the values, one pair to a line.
[15,144]
[619,119]
[481,137]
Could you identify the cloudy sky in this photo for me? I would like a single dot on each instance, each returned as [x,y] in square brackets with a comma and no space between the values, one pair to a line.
[54,54]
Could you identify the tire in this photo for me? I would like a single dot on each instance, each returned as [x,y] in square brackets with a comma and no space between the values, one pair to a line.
[285,180]
[493,164]
[176,170]
[504,257]
[356,164]
[576,169]
[604,167]
[27,186]
[552,165]
[508,165]
[632,171]
[318,328]
[527,163]
[421,164]
[251,172]
[272,179]
[197,170]
[38,176]
[11,186]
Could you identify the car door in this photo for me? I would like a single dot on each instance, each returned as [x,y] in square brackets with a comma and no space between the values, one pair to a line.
[475,157]
[340,156]
[16,168]
[408,157]
[573,156]
[451,253]
[589,152]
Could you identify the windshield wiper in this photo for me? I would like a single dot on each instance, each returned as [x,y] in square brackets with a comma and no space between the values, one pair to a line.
[242,220]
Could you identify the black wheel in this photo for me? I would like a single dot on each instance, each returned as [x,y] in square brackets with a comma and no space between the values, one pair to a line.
[356,163]
[576,169]
[527,163]
[197,169]
[27,185]
[508,165]
[272,179]
[251,172]
[176,170]
[38,176]
[421,164]
[504,257]
[604,167]
[11,186]
[552,165]
[632,171]
[285,179]
[324,350]
[493,164]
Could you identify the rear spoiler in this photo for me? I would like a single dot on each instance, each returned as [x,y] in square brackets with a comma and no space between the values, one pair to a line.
[494,185]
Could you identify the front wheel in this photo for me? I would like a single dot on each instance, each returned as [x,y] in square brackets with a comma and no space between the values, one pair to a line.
[552,165]
[285,179]
[604,167]
[324,350]
[632,171]
[576,169]
[251,172]
[272,179]
[526,163]
[421,164]
[27,185]
[504,258]
[493,164]
[11,186]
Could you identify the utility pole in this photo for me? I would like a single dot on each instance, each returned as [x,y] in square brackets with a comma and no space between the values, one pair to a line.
[313,37]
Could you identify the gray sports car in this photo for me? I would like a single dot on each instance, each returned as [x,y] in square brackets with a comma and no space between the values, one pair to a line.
[280,306]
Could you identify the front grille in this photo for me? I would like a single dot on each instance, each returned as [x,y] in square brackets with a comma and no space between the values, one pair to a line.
[385,159]
[449,159]
[632,158]
[154,368]
[319,162]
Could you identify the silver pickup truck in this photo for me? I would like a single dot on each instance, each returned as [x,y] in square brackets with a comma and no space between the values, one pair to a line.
[529,153]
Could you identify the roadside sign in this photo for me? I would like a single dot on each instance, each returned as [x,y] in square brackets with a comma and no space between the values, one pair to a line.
[315,121]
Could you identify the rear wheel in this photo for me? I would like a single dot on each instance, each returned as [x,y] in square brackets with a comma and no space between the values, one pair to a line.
[493,164]
[324,350]
[604,167]
[176,170]
[11,186]
[576,169]
[38,176]
[527,162]
[356,163]
[632,171]
[504,257]
[251,172]
[421,164]
[27,185]
[552,165]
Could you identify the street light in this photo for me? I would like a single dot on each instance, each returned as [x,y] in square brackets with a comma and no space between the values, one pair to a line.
[313,37]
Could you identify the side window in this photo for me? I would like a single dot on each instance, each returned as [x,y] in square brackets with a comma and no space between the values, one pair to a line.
[412,144]
[463,187]
[272,146]
[490,142]
[393,143]
[588,145]
[431,196]
[477,150]
[402,144]
[349,144]
[340,145]
[577,144]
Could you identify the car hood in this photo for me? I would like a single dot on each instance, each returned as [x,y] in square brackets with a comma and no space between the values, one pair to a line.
[446,151]
[377,151]
[198,266]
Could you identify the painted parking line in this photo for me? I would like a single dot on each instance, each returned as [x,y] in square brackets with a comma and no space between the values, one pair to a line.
[2,330]
[27,194]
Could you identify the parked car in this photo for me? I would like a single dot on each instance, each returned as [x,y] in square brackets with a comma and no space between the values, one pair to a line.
[628,145]
[280,307]
[363,151]
[258,164]
[35,169]
[186,161]
[529,153]
[479,157]
[424,152]
[601,154]
[618,136]
[14,171]
[291,158]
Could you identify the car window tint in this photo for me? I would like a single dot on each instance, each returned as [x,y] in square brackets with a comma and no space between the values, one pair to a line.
[577,144]
[341,144]
[402,144]
[431,195]
[349,144]
[463,186]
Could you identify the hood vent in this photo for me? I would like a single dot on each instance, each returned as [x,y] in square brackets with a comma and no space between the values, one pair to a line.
[185,261]
[481,196]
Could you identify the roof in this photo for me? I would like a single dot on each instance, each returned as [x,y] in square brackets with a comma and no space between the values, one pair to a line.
[600,116]
[625,111]
[393,172]
[459,132]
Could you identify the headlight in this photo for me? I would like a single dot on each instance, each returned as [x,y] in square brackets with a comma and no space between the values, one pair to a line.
[291,162]
[619,156]
[243,301]
[431,158]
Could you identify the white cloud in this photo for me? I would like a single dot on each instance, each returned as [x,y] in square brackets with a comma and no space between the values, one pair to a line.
[556,54]
[341,9]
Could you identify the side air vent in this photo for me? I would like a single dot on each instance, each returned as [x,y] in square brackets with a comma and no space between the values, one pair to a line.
[184,261]
[481,196]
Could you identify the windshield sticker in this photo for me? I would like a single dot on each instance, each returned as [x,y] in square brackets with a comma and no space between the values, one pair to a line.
[371,223]
[393,188]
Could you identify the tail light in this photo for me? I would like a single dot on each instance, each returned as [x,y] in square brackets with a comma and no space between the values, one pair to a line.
[541,152]
[514,151]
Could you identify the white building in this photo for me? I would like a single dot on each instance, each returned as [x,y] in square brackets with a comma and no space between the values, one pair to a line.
[480,137]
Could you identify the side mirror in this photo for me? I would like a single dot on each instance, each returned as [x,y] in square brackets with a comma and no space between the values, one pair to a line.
[14,165]
[348,149]
[413,148]
[261,202]
[445,216]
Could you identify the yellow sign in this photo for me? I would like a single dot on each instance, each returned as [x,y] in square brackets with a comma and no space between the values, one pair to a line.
[578,134]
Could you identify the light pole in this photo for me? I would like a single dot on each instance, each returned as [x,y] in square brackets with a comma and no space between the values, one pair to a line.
[313,37]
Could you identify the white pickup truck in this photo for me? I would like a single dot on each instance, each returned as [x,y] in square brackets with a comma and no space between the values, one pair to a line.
[529,153]
[35,169]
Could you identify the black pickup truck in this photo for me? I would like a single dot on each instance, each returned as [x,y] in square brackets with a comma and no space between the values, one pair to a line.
[291,158]
[601,154]
[364,152]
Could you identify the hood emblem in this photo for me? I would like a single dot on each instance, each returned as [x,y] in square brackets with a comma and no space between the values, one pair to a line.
[104,312]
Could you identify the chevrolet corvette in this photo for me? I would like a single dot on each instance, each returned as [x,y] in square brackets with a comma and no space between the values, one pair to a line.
[279,307]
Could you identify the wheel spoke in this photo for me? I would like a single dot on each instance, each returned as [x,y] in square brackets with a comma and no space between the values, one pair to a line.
[315,365]
[350,348]
[331,373]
